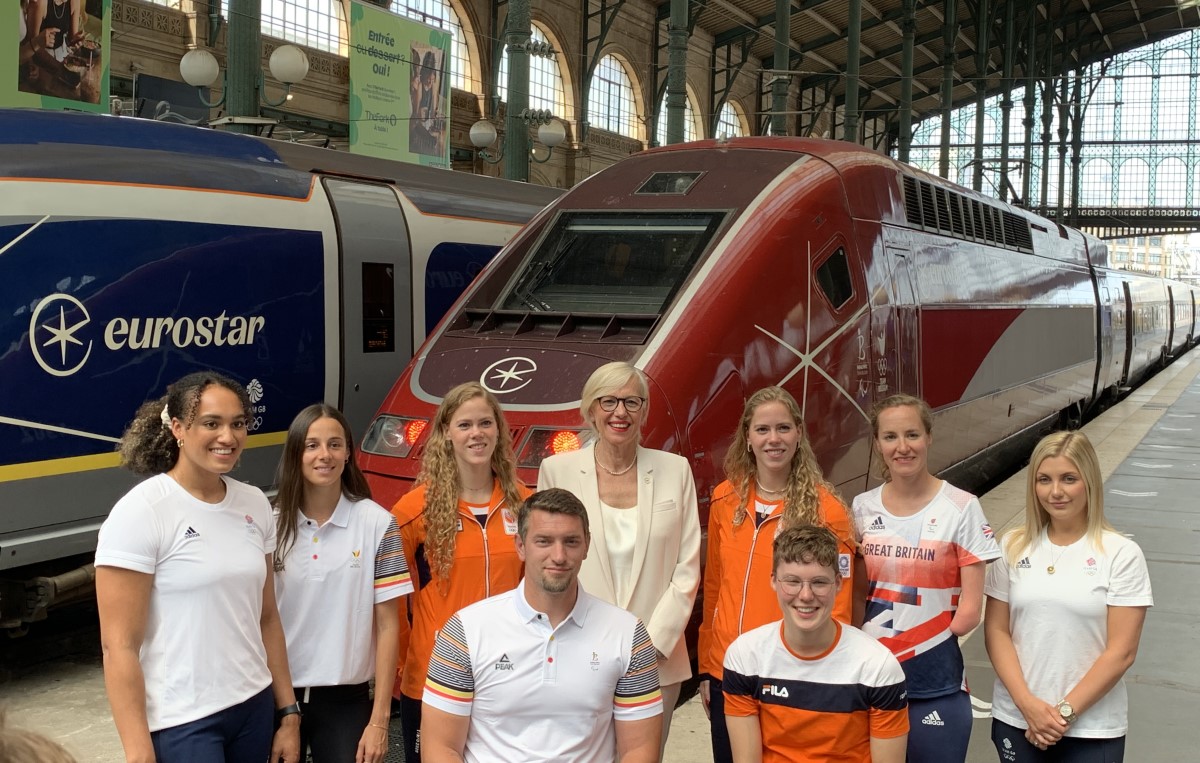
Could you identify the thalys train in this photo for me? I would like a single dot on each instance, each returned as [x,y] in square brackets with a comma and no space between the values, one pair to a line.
[133,252]
[718,268]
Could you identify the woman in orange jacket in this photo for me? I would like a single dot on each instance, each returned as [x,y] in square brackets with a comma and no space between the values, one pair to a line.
[772,482]
[457,528]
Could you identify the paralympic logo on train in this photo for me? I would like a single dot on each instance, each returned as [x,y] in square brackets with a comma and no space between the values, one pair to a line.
[61,343]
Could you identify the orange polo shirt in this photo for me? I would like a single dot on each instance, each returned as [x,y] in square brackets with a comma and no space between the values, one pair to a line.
[485,564]
[737,573]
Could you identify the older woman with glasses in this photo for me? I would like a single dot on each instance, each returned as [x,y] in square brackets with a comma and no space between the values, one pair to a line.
[645,552]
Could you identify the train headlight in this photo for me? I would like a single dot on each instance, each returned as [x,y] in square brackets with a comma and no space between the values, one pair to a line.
[393,435]
[543,442]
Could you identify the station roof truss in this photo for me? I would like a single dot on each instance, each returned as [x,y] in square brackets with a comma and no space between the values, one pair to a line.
[1069,35]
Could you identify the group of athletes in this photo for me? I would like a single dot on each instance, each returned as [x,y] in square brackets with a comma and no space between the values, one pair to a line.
[517,625]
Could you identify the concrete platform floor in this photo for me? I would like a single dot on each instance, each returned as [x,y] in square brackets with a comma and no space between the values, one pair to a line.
[1149,447]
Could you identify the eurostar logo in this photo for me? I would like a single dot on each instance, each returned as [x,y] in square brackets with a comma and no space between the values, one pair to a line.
[514,371]
[52,334]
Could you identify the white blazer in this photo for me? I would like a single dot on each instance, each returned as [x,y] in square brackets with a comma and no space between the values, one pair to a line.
[666,556]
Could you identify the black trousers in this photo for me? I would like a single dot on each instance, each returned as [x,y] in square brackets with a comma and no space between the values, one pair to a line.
[333,720]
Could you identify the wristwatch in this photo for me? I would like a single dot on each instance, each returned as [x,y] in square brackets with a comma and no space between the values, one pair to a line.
[283,712]
[1066,711]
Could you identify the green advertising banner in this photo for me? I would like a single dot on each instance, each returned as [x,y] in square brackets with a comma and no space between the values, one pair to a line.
[399,87]
[58,55]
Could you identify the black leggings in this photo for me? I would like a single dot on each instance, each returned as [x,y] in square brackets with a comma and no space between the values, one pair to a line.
[410,722]
[332,721]
[1013,747]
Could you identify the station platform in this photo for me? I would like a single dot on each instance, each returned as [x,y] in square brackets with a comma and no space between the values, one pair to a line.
[1149,449]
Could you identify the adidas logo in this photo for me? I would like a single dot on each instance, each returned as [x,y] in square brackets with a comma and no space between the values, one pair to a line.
[189,533]
[877,524]
[504,663]
[1024,564]
[933,719]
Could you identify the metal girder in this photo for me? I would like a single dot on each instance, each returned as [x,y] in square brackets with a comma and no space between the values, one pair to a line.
[731,70]
[492,85]
[658,81]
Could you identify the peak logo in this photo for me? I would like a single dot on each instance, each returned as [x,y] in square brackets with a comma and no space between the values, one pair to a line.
[61,346]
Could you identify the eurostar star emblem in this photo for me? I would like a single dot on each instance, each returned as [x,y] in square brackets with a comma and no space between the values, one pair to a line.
[61,334]
[516,371]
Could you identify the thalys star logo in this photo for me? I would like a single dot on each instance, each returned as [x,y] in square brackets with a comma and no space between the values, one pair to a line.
[507,375]
[53,330]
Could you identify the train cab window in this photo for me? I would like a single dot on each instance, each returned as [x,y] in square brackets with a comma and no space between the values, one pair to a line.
[621,263]
[834,279]
[669,183]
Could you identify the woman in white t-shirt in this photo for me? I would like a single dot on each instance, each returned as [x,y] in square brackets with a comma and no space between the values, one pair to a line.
[1065,608]
[339,575]
[194,658]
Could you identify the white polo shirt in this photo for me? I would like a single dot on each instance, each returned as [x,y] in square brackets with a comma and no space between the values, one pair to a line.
[332,578]
[537,693]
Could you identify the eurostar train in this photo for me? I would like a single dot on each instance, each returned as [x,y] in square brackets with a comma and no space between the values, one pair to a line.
[719,268]
[133,252]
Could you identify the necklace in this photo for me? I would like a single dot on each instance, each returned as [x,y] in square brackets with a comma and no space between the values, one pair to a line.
[57,13]
[763,489]
[1062,550]
[468,489]
[632,463]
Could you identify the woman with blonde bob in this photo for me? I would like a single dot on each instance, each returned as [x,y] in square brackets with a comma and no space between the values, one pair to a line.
[773,482]
[457,528]
[919,604]
[642,508]
[1065,608]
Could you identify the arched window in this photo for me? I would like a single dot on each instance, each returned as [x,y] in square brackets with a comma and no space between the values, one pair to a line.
[1134,184]
[1101,112]
[1136,92]
[610,99]
[1170,183]
[1174,95]
[319,24]
[545,80]
[691,130]
[732,123]
[439,13]
[1096,182]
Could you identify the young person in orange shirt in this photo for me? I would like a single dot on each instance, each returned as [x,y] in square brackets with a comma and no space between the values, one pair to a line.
[808,688]
[772,482]
[457,528]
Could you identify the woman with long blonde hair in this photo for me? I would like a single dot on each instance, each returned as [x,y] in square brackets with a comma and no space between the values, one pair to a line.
[457,528]
[1065,608]
[773,482]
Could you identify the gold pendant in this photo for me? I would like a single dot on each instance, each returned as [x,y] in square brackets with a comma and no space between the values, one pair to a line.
[1050,569]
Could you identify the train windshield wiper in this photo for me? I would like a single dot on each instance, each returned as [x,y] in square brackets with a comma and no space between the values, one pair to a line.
[543,272]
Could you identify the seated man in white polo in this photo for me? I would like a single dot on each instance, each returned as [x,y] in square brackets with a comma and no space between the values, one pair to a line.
[544,672]
[809,688]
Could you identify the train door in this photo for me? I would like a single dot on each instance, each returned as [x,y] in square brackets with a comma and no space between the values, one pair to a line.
[1170,319]
[904,331]
[1192,330]
[1130,320]
[376,289]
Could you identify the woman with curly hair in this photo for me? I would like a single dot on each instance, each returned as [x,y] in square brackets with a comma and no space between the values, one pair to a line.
[339,573]
[772,483]
[194,657]
[457,528]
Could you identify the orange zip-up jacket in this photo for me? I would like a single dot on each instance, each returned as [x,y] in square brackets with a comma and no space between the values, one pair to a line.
[737,573]
[485,564]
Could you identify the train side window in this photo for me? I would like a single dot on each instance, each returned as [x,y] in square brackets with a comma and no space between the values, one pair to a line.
[378,307]
[833,276]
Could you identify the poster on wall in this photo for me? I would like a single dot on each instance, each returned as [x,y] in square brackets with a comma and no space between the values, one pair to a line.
[399,87]
[57,56]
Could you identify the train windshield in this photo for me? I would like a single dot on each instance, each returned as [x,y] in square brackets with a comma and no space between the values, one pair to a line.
[618,263]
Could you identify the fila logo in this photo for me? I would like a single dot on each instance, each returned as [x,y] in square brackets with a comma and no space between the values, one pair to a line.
[189,534]
[1024,564]
[775,691]
[876,525]
[504,663]
[933,719]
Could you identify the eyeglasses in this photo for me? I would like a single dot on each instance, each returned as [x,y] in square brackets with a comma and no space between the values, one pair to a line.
[792,586]
[608,403]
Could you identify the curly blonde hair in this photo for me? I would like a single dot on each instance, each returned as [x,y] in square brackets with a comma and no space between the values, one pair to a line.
[439,475]
[802,496]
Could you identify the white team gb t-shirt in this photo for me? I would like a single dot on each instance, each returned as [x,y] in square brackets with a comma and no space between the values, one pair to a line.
[1059,622]
[203,650]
